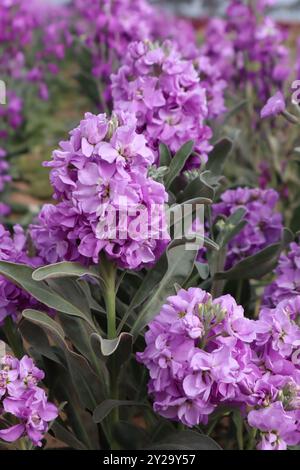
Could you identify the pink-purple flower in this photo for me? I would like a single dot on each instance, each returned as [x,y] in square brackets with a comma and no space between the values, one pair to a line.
[286,284]
[102,172]
[274,106]
[14,248]
[165,93]
[23,402]
[198,354]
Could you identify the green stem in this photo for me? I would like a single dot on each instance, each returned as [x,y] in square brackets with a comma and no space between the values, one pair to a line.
[251,441]
[108,274]
[239,291]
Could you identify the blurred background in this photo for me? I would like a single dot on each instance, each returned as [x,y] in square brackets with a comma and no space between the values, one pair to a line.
[284,10]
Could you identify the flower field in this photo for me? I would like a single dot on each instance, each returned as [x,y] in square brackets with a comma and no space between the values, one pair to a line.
[149,228]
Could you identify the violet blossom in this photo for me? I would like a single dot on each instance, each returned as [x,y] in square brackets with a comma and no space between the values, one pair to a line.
[199,356]
[248,47]
[23,400]
[274,106]
[165,93]
[103,170]
[13,248]
[263,222]
[286,284]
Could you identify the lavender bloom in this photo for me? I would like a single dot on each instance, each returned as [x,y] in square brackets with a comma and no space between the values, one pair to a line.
[14,300]
[4,177]
[198,354]
[166,94]
[264,223]
[278,427]
[277,397]
[286,284]
[274,106]
[107,28]
[22,399]
[203,353]
[248,49]
[102,171]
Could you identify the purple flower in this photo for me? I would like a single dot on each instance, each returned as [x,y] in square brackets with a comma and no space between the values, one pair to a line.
[165,92]
[107,201]
[24,400]
[264,223]
[248,48]
[107,28]
[198,352]
[286,284]
[278,427]
[274,106]
[14,300]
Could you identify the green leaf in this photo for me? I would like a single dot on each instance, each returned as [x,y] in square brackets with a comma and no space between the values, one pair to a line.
[107,406]
[196,188]
[87,384]
[231,227]
[208,243]
[43,320]
[165,156]
[186,440]
[203,269]
[120,347]
[63,269]
[129,436]
[64,435]
[259,264]
[21,275]
[178,161]
[180,266]
[218,155]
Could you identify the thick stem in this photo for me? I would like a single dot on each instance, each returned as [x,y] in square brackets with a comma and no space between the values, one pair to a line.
[108,274]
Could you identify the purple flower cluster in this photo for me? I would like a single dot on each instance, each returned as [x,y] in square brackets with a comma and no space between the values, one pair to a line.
[107,28]
[264,223]
[4,177]
[14,300]
[165,93]
[103,170]
[276,395]
[248,48]
[202,353]
[198,354]
[11,115]
[286,284]
[23,400]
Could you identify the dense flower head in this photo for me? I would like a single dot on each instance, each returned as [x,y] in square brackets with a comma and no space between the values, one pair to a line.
[13,248]
[203,353]
[107,28]
[23,400]
[165,92]
[102,172]
[264,223]
[248,47]
[198,354]
[276,413]
[286,284]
